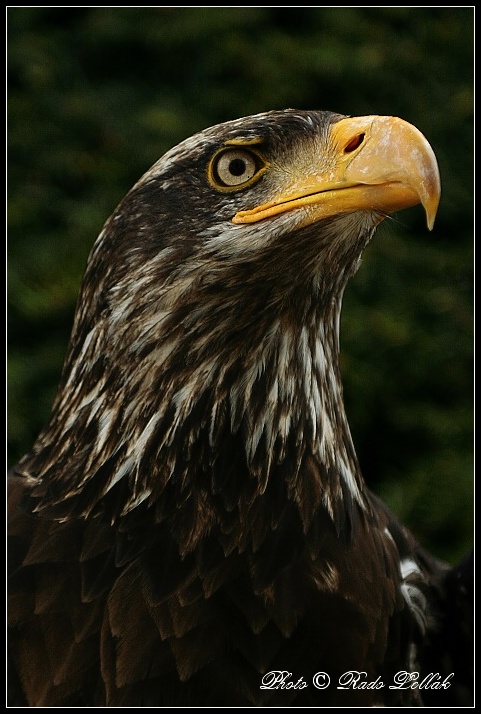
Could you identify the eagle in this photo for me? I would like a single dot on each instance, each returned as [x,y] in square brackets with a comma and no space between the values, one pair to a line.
[192,527]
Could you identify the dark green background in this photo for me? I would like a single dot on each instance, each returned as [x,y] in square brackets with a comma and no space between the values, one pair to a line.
[95,97]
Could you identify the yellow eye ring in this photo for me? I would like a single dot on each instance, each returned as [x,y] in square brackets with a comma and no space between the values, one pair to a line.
[234,168]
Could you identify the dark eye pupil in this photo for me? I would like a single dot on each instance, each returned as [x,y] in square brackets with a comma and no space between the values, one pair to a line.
[237,167]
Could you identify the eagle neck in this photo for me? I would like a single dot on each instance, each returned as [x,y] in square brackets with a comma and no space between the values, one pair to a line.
[288,404]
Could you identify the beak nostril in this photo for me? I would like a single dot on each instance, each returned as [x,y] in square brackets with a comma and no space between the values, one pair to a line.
[354,143]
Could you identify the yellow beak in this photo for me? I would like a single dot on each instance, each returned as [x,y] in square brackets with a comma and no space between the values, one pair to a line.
[374,163]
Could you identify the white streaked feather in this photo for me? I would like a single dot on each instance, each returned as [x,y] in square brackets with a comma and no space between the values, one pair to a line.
[411,589]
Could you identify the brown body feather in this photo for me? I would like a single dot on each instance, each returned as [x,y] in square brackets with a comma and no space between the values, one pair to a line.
[100,627]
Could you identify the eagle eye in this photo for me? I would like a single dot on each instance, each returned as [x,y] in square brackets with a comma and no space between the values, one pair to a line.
[235,168]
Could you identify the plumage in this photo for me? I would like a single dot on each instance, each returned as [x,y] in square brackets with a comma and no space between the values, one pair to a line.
[193,517]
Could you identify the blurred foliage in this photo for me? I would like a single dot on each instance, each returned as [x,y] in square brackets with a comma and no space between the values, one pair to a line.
[97,94]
